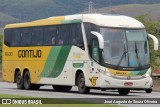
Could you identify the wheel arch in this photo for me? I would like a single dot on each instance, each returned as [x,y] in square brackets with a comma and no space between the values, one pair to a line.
[15,73]
[77,74]
[25,70]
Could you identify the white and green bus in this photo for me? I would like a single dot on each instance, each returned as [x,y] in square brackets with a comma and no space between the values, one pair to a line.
[91,51]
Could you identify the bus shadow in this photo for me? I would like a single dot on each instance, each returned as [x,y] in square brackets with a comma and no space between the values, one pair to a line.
[105,93]
[100,93]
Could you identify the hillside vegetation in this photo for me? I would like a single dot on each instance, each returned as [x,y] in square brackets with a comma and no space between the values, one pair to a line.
[12,11]
[26,10]
[1,31]
[5,19]
[151,27]
[134,10]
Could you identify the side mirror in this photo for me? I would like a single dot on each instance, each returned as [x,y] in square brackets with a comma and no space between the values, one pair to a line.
[155,40]
[100,39]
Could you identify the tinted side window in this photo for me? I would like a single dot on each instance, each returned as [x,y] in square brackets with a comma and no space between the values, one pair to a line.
[17,37]
[95,49]
[63,35]
[26,37]
[8,36]
[37,36]
[76,35]
[88,28]
[50,34]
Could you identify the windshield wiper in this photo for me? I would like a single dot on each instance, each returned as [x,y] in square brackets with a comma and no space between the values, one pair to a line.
[137,55]
[124,54]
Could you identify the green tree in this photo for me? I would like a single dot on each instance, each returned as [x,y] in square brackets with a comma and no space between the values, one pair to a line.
[0,49]
[152,28]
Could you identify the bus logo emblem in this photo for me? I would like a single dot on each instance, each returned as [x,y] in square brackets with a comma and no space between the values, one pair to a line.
[93,80]
[128,78]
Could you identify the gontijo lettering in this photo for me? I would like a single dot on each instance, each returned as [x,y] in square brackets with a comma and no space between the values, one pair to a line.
[29,53]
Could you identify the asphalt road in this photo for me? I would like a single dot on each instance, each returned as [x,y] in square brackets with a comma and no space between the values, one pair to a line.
[48,92]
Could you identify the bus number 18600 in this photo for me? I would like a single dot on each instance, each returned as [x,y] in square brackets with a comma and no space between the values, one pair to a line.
[8,54]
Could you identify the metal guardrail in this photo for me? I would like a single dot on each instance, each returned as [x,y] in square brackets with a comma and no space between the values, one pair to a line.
[156,75]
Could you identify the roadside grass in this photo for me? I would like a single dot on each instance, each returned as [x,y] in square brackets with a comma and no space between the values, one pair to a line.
[64,105]
[84,104]
[14,96]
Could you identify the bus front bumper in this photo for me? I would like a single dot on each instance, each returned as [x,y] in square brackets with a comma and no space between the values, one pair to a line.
[115,83]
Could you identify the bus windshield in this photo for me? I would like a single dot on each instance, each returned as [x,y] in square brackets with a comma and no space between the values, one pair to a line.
[125,47]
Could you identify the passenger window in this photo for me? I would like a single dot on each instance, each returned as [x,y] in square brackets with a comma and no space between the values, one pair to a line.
[26,37]
[50,35]
[76,35]
[8,38]
[63,36]
[17,37]
[37,36]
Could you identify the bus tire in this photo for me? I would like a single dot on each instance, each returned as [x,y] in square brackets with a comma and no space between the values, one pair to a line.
[123,91]
[27,81]
[61,88]
[81,84]
[148,90]
[19,80]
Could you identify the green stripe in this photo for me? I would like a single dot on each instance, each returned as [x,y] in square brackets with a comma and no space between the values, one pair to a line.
[134,72]
[56,61]
[70,21]
[78,65]
[142,72]
[60,62]
[50,62]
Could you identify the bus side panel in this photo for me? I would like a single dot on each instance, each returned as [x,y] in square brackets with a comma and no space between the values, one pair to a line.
[18,57]
[7,71]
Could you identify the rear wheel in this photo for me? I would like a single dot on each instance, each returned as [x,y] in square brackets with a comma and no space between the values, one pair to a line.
[123,91]
[148,90]
[27,81]
[19,80]
[61,88]
[81,84]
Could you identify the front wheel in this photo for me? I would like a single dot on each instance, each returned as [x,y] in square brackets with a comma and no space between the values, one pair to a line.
[81,84]
[123,91]
[148,90]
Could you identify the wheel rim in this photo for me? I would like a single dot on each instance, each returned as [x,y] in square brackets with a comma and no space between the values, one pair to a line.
[19,79]
[81,83]
[27,80]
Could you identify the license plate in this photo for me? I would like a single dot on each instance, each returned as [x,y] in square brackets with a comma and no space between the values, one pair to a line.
[128,83]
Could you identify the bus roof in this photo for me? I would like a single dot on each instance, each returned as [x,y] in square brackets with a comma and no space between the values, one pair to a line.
[108,20]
